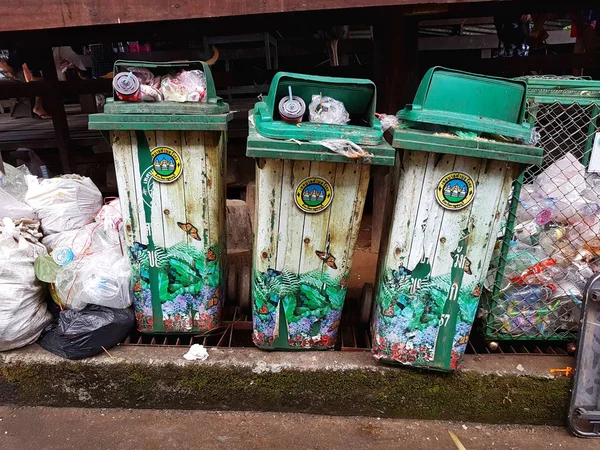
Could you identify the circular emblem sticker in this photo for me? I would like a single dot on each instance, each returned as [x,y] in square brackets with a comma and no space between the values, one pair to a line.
[166,164]
[314,195]
[455,191]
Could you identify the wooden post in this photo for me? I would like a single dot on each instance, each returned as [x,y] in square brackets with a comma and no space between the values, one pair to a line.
[55,106]
[396,61]
[381,183]
[251,202]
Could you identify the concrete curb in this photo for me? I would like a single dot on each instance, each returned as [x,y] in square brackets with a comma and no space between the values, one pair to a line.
[490,389]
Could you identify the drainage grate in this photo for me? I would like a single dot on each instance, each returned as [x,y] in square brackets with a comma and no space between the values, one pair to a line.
[236,331]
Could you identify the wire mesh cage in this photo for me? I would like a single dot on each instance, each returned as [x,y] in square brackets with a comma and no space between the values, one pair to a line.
[550,244]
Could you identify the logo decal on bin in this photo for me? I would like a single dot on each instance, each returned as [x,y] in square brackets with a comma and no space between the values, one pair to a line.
[166,164]
[455,191]
[314,195]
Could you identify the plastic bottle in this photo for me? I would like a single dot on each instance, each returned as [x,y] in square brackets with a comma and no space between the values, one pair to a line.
[527,295]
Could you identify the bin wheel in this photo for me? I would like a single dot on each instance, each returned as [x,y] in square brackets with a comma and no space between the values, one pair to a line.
[231,293]
[244,288]
[366,304]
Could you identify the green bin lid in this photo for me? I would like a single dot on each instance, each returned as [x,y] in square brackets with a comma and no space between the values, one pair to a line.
[358,96]
[471,102]
[263,147]
[122,115]
[418,140]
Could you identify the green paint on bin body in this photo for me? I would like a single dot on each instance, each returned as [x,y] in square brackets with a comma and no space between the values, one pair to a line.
[424,317]
[302,256]
[174,228]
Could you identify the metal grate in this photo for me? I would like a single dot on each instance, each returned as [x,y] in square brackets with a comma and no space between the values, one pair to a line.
[237,332]
[551,240]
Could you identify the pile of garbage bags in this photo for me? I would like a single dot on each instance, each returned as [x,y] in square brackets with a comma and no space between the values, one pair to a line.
[555,249]
[57,233]
[23,310]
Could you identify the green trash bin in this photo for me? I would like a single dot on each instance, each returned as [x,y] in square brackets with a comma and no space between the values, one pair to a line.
[170,163]
[309,204]
[450,190]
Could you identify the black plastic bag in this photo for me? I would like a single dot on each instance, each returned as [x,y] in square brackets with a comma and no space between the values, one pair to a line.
[81,334]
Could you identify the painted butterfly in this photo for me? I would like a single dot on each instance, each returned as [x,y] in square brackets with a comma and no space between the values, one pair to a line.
[264,309]
[463,340]
[273,272]
[389,312]
[137,287]
[334,326]
[136,250]
[189,229]
[467,264]
[214,301]
[211,255]
[400,273]
[328,258]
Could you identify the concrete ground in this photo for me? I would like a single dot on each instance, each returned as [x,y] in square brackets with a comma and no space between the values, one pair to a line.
[95,429]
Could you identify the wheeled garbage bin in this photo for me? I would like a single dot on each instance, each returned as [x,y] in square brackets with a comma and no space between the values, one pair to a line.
[453,177]
[170,158]
[309,204]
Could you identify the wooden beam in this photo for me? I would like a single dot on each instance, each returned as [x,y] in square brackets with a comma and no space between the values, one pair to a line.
[555,37]
[514,66]
[10,89]
[396,62]
[461,21]
[53,103]
[35,15]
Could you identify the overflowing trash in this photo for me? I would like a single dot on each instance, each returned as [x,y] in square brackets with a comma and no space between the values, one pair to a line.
[13,189]
[346,148]
[23,309]
[555,249]
[63,203]
[58,231]
[90,279]
[89,332]
[323,109]
[89,266]
[388,121]
[140,84]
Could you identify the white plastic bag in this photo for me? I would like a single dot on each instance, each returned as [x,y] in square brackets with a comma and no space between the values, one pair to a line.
[88,239]
[13,187]
[23,310]
[324,109]
[563,179]
[103,278]
[186,86]
[64,203]
[100,273]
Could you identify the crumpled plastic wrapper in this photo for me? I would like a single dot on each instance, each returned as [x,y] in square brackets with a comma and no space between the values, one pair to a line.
[388,121]
[327,110]
[186,86]
[347,148]
[142,74]
[150,94]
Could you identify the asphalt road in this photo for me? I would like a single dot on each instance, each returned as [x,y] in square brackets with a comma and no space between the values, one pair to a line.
[95,429]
